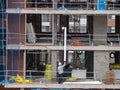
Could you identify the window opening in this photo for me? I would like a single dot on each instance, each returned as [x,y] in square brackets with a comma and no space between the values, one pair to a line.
[77,24]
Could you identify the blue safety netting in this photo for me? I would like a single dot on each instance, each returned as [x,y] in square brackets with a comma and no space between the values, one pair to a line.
[2,39]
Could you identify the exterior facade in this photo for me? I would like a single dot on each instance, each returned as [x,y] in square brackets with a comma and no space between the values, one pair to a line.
[82,33]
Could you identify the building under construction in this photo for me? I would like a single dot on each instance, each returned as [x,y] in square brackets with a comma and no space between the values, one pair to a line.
[35,35]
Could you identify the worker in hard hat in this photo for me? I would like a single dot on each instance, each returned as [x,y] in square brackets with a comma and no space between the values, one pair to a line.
[60,72]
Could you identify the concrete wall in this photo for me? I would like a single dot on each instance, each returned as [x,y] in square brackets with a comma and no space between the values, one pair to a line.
[101,64]
[101,58]
[100,30]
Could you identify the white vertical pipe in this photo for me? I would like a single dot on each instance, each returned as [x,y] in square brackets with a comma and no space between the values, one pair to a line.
[65,35]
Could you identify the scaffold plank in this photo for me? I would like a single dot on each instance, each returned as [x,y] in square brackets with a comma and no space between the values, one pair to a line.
[85,86]
[82,12]
[86,48]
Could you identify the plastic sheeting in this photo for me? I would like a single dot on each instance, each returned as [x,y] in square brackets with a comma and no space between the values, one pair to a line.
[13,32]
[101,5]
[13,38]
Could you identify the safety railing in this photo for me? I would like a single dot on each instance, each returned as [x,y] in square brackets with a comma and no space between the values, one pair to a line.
[40,38]
[67,5]
[33,76]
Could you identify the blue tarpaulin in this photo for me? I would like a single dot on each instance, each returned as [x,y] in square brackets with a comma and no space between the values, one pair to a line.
[101,5]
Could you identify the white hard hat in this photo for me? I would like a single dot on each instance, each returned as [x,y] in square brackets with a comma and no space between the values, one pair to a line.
[59,63]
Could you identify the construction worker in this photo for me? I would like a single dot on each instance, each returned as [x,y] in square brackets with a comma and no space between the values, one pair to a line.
[60,72]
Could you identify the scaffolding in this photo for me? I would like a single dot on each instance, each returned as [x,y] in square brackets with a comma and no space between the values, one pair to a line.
[33,41]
